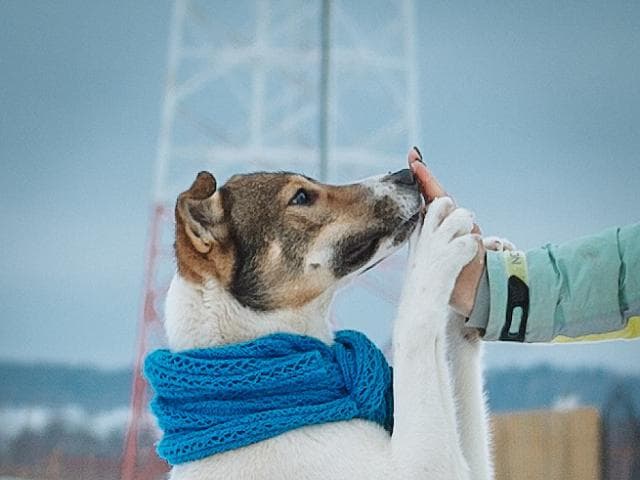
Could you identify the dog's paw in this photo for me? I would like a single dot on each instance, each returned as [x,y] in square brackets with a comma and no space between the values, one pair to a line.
[497,244]
[444,247]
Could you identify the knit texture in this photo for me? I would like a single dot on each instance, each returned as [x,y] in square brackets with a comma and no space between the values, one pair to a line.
[217,399]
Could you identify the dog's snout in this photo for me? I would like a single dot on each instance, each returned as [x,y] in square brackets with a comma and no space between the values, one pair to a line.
[403,177]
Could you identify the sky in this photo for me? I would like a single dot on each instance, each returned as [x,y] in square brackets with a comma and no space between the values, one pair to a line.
[529,113]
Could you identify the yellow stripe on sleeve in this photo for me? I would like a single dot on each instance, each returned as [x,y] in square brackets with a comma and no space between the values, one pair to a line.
[516,264]
[631,330]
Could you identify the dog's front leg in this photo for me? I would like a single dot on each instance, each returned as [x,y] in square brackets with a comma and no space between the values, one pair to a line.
[425,441]
[465,360]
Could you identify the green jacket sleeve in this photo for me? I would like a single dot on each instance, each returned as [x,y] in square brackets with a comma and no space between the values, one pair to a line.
[586,289]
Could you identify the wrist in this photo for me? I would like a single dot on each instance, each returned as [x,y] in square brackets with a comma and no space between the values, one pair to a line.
[466,286]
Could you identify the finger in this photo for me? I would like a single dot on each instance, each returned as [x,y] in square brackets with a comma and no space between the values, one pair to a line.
[414,155]
[429,185]
[431,188]
[464,292]
[421,173]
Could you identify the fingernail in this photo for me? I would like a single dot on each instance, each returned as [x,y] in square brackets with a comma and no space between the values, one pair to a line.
[417,150]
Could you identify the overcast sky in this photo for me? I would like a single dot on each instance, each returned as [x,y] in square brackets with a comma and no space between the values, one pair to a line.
[530,114]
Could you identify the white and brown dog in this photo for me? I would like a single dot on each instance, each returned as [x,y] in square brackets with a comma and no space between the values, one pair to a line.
[266,252]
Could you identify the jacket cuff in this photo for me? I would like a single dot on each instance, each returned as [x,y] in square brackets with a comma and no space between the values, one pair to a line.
[514,316]
[479,317]
[497,273]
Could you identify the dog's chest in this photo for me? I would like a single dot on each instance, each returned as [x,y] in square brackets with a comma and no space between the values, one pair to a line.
[340,450]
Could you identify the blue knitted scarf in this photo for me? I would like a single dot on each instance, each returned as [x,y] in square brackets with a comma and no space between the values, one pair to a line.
[216,399]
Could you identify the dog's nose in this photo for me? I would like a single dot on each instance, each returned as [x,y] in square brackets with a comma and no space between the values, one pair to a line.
[403,177]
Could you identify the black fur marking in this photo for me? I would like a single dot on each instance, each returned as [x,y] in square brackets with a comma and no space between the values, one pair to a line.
[256,221]
[385,209]
[405,230]
[247,286]
[355,251]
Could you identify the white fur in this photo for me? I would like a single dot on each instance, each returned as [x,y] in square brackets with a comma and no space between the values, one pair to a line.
[440,422]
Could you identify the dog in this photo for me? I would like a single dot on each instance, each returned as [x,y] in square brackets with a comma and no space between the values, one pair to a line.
[266,253]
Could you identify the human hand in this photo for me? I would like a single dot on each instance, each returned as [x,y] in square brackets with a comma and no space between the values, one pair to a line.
[464,292]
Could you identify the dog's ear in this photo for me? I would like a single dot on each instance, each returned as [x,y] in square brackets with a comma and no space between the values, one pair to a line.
[200,210]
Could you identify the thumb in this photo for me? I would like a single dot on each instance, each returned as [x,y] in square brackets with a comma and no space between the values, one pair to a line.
[429,185]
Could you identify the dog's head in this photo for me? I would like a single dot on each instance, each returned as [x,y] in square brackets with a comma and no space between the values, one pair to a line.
[279,240]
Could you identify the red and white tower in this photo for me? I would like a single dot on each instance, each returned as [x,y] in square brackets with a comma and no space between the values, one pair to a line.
[327,88]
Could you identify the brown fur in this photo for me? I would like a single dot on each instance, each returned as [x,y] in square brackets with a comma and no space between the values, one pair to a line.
[194,265]
[250,238]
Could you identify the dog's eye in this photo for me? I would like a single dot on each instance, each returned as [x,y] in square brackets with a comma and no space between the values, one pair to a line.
[302,197]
